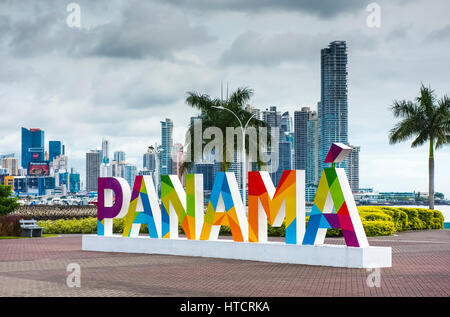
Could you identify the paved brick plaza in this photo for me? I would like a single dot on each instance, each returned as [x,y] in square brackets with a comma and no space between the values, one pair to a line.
[37,267]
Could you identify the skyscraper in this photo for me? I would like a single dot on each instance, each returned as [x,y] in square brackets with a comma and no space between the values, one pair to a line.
[306,148]
[312,149]
[273,119]
[54,148]
[11,164]
[300,137]
[129,173]
[74,181]
[119,156]
[353,168]
[32,146]
[333,106]
[166,146]
[105,151]
[149,161]
[93,160]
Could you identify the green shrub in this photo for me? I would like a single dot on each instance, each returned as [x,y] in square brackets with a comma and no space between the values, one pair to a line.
[376,220]
[378,228]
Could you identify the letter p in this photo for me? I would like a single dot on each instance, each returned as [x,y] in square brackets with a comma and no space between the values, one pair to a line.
[113,198]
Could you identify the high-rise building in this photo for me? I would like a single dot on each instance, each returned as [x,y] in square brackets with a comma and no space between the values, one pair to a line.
[353,168]
[312,149]
[149,161]
[279,158]
[166,146]
[272,117]
[59,163]
[105,169]
[105,151]
[74,181]
[177,159]
[333,106]
[119,156]
[207,170]
[12,165]
[300,137]
[32,146]
[117,169]
[306,143]
[253,110]
[93,160]
[55,149]
[286,123]
[129,173]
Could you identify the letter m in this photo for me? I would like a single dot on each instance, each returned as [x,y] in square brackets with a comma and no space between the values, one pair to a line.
[287,202]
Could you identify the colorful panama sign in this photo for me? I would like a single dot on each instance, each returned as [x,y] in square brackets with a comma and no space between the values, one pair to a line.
[334,206]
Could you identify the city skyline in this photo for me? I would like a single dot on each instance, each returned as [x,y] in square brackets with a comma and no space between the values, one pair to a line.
[123,97]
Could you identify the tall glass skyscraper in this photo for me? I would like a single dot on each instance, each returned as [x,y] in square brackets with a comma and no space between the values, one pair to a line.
[333,106]
[149,161]
[32,146]
[166,145]
[119,156]
[353,168]
[93,160]
[54,149]
[306,143]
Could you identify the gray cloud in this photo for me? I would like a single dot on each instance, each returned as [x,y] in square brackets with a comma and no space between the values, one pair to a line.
[142,30]
[252,48]
[442,34]
[323,8]
[161,32]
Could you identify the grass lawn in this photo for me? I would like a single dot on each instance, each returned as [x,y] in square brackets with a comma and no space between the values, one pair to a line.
[43,236]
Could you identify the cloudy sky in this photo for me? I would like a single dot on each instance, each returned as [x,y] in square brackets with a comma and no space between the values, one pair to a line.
[131,63]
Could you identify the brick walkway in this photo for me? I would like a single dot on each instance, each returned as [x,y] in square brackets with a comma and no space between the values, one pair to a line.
[37,267]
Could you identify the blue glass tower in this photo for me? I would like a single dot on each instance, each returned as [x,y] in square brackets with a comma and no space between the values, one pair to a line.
[54,149]
[333,106]
[32,146]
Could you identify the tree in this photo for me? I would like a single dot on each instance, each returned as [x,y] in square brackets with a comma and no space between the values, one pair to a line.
[439,195]
[427,121]
[213,117]
[8,204]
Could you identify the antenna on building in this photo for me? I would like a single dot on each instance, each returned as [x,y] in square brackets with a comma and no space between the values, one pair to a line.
[227,91]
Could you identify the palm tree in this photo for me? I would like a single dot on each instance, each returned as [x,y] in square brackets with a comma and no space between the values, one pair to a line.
[213,117]
[425,120]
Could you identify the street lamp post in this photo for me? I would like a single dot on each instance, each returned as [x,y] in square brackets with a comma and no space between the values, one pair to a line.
[243,155]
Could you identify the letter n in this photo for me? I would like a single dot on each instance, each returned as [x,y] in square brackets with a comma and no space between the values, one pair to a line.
[178,206]
[113,198]
[143,209]
[287,202]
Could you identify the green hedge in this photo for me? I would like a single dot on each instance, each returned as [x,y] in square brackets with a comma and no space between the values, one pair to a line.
[377,221]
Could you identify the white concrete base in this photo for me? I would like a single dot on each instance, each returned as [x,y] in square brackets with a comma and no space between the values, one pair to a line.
[279,252]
